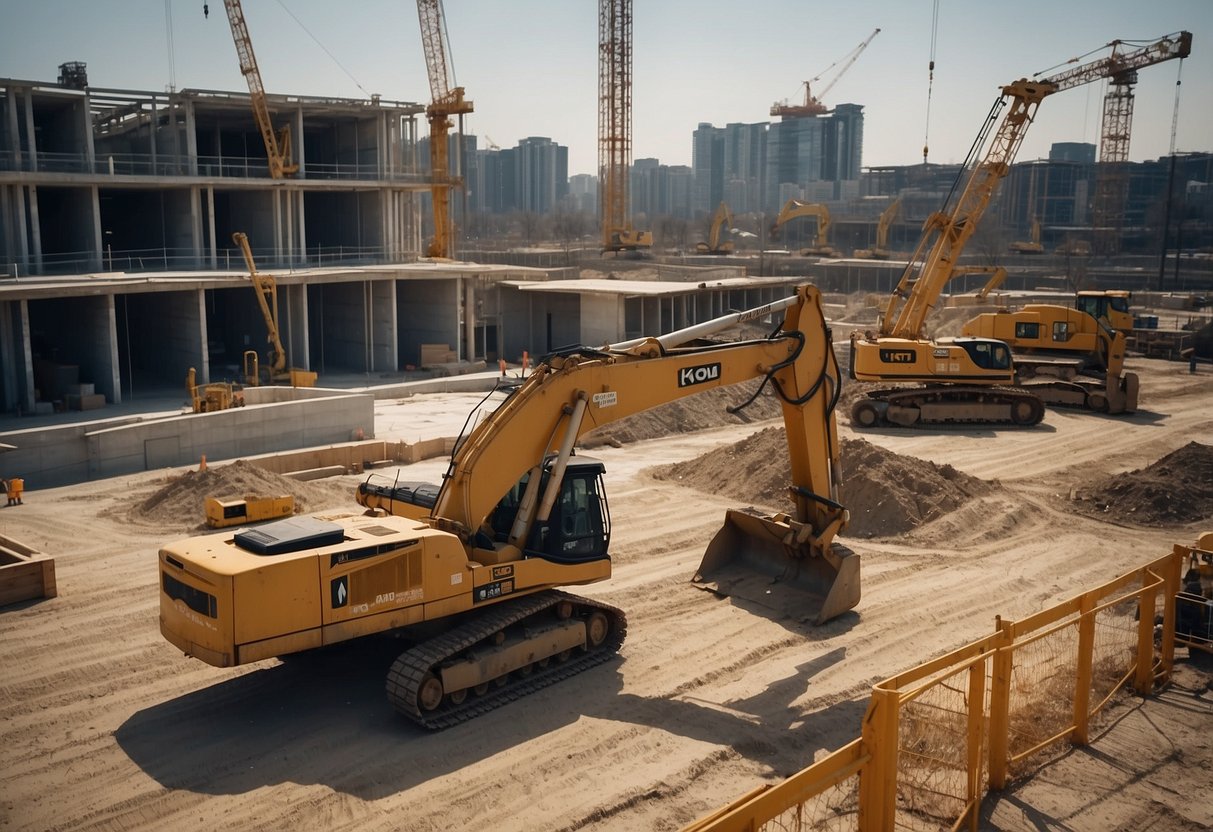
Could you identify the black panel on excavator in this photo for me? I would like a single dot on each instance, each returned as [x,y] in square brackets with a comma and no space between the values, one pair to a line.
[293,534]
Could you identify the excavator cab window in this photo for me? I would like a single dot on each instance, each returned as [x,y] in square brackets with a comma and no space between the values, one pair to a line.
[578,528]
[989,355]
[1061,331]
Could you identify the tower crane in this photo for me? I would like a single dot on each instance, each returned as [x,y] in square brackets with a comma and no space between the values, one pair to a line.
[812,105]
[615,126]
[277,144]
[446,100]
[961,376]
[1111,179]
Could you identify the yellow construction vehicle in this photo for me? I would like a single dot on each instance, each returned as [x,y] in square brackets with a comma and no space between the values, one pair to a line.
[467,571]
[966,379]
[251,509]
[1064,356]
[722,219]
[267,299]
[446,100]
[277,143]
[1194,602]
[218,395]
[1108,305]
[881,251]
[794,209]
[1031,246]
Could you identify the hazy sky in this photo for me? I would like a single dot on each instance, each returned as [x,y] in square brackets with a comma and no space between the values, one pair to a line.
[531,66]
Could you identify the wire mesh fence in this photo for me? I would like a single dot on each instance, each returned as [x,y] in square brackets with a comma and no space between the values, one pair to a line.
[936,738]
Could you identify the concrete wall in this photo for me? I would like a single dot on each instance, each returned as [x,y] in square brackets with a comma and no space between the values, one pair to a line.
[601,319]
[427,312]
[51,457]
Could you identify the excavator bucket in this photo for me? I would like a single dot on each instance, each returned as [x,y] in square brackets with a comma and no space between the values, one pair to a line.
[754,558]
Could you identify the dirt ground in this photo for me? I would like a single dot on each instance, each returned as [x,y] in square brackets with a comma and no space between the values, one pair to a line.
[104,725]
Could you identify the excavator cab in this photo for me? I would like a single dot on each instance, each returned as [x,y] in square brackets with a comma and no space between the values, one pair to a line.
[579,526]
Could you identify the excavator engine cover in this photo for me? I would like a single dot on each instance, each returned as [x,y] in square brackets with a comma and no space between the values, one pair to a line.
[755,558]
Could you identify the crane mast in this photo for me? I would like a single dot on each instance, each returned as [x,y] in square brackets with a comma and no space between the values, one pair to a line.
[277,145]
[947,232]
[446,100]
[615,126]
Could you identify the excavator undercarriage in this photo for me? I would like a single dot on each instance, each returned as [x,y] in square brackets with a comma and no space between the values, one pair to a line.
[947,404]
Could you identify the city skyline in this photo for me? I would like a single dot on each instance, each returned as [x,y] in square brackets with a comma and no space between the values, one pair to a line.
[541,80]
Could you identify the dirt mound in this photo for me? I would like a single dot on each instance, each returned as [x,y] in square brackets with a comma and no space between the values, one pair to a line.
[182,498]
[699,412]
[886,493]
[1175,490]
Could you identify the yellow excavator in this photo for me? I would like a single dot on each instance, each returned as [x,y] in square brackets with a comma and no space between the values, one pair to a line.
[881,250]
[1029,246]
[794,209]
[467,572]
[966,379]
[1064,356]
[722,219]
[1111,306]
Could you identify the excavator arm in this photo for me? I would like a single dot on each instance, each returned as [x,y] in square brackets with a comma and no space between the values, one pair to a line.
[794,209]
[574,392]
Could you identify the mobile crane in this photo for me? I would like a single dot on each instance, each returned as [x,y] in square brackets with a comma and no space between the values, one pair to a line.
[794,209]
[467,571]
[722,219]
[966,379]
[277,143]
[267,299]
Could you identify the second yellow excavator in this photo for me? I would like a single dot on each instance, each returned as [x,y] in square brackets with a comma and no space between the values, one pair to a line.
[794,209]
[466,573]
[1064,356]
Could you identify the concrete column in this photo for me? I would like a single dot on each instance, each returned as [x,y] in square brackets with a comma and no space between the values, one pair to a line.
[151,136]
[288,201]
[97,259]
[26,358]
[111,381]
[210,225]
[298,346]
[276,213]
[382,326]
[90,148]
[469,316]
[191,137]
[196,222]
[302,228]
[31,134]
[203,367]
[35,229]
[297,145]
[14,132]
[22,231]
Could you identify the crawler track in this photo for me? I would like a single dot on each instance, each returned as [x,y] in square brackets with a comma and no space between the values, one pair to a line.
[412,667]
[947,405]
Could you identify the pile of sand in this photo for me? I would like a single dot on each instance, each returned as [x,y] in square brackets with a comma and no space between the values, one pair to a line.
[181,500]
[1176,489]
[698,412]
[886,493]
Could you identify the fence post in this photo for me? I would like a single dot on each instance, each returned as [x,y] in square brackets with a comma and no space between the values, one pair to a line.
[1143,679]
[977,723]
[1000,704]
[1082,674]
[878,779]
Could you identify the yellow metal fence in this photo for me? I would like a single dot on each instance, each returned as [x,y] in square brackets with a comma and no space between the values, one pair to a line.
[937,738]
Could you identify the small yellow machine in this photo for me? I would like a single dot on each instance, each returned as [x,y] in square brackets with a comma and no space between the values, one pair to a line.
[208,398]
[14,487]
[467,572]
[1194,603]
[252,509]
